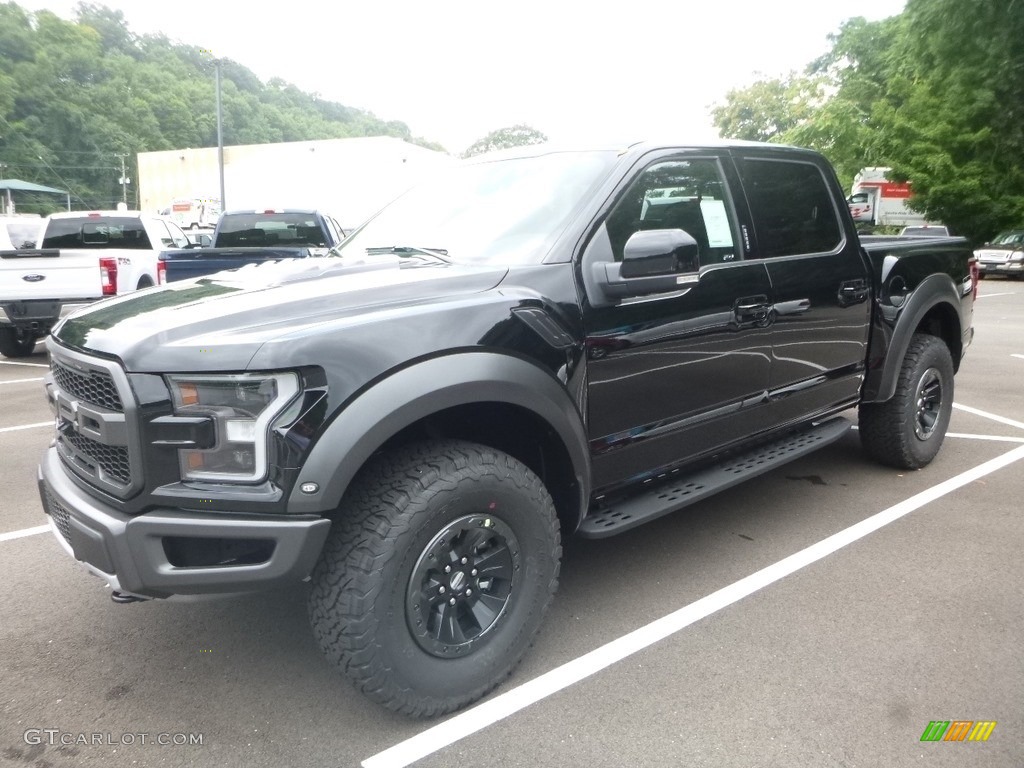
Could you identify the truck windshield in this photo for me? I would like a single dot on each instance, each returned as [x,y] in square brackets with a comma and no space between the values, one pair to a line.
[500,211]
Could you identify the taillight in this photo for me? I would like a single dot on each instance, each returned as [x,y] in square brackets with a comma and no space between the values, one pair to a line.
[161,273]
[108,276]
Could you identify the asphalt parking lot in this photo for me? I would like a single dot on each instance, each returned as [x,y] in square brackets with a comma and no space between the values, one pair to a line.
[821,615]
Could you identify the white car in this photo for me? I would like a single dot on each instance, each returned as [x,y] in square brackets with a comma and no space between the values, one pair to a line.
[1004,255]
[128,241]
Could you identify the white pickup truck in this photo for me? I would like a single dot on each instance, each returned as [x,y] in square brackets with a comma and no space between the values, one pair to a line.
[79,257]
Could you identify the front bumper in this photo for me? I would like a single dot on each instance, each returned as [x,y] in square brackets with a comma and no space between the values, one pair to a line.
[147,555]
[1001,268]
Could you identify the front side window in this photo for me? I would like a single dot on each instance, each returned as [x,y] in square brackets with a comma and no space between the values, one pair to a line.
[690,195]
[792,209]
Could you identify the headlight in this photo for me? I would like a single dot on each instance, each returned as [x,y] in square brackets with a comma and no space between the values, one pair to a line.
[242,407]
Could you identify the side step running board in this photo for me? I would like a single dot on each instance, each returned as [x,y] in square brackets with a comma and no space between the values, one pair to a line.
[682,490]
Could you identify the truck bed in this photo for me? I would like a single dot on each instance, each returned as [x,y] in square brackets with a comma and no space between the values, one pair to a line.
[187,263]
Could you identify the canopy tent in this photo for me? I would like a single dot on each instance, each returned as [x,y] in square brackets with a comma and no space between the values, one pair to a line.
[7,186]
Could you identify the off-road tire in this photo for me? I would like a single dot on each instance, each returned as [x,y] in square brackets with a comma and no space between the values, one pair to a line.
[907,431]
[15,343]
[376,591]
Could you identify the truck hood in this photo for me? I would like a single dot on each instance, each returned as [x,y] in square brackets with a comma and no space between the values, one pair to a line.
[220,322]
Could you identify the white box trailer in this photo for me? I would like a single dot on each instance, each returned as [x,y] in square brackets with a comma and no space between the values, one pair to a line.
[875,199]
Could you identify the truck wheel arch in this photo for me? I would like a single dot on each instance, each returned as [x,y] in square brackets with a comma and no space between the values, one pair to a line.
[930,308]
[417,392]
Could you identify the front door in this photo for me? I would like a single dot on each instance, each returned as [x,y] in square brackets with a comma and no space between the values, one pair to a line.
[675,375]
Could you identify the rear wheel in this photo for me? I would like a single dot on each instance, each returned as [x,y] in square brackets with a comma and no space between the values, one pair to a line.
[433,584]
[16,343]
[907,431]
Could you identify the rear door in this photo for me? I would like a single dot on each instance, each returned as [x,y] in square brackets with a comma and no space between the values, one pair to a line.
[820,284]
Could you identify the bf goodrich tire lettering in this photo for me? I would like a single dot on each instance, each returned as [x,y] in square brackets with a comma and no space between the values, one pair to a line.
[436,575]
[907,431]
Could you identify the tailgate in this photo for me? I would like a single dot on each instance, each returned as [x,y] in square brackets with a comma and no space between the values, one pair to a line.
[198,262]
[49,274]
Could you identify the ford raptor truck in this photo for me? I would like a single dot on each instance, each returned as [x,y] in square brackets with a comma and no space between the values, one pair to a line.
[533,345]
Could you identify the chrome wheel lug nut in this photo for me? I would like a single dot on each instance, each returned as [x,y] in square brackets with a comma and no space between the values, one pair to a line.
[473,572]
[452,601]
[465,560]
[469,592]
[441,590]
[447,569]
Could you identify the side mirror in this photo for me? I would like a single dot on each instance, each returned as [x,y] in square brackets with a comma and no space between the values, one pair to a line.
[653,261]
[659,252]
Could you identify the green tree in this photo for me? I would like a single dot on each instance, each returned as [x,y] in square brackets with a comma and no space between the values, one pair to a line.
[766,110]
[74,95]
[504,138]
[952,119]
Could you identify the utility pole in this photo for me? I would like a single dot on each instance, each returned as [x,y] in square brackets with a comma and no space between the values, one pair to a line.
[220,139]
[3,202]
[124,181]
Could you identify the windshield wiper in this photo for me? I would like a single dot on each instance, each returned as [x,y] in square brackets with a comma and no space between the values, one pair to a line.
[440,254]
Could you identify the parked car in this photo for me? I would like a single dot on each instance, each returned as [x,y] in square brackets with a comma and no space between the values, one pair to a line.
[254,237]
[925,230]
[524,347]
[1004,255]
[82,256]
[200,238]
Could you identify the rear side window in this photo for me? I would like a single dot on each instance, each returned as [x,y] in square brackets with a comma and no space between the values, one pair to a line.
[792,209]
[97,232]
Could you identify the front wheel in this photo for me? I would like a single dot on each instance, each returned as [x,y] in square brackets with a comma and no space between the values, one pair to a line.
[16,343]
[907,431]
[434,582]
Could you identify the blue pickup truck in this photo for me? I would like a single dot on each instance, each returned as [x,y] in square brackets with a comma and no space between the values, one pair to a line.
[252,237]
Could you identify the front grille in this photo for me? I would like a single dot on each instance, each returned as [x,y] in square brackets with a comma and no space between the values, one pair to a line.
[59,514]
[112,459]
[94,387]
[97,428]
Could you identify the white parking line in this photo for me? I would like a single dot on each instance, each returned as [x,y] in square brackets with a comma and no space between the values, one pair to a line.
[995,438]
[987,415]
[27,426]
[500,707]
[20,381]
[15,362]
[1018,356]
[24,532]
[990,295]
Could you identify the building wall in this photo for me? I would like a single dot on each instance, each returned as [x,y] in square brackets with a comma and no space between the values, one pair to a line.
[349,178]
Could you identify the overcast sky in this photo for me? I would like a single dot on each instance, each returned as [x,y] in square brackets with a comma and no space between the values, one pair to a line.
[454,71]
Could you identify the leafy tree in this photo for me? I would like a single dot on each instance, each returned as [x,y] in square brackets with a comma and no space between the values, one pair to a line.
[504,138]
[953,119]
[937,93]
[766,110]
[76,94]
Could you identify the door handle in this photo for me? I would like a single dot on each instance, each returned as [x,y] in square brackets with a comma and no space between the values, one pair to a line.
[852,292]
[752,309]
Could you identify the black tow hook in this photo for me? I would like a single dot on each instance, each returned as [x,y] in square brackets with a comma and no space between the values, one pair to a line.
[123,599]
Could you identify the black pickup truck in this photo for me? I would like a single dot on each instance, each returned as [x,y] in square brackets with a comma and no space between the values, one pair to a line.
[533,345]
[254,237]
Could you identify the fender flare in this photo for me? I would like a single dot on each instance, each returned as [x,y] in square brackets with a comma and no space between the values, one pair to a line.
[934,290]
[424,388]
